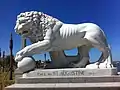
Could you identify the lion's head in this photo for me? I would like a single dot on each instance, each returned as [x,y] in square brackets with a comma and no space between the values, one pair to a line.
[33,24]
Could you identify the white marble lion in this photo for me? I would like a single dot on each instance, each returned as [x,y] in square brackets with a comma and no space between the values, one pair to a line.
[50,34]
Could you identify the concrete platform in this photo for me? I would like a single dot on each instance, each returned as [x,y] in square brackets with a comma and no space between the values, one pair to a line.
[69,79]
[66,86]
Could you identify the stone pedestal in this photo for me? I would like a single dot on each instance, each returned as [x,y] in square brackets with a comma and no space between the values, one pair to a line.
[18,74]
[70,79]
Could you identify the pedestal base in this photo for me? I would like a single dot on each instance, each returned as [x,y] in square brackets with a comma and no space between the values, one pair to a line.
[69,79]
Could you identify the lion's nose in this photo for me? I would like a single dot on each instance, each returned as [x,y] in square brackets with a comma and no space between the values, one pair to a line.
[15,27]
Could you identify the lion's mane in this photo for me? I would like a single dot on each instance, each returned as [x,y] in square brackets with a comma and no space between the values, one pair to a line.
[36,22]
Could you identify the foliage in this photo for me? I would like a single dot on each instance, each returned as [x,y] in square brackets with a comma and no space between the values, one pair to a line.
[4,79]
[5,62]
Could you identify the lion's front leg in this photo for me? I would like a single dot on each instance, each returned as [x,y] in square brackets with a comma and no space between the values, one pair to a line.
[40,46]
[35,48]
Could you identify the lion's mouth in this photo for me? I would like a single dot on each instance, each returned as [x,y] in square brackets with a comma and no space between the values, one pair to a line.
[24,32]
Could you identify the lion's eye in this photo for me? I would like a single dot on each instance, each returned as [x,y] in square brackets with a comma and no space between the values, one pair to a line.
[21,21]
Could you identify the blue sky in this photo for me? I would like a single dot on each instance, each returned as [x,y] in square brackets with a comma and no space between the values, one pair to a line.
[105,13]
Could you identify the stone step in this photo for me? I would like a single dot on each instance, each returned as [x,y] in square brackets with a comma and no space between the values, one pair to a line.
[66,86]
[69,79]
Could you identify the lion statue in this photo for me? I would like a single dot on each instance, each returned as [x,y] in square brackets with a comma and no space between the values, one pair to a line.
[49,34]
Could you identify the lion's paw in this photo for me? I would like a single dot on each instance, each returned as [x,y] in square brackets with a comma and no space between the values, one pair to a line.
[92,66]
[105,65]
[100,66]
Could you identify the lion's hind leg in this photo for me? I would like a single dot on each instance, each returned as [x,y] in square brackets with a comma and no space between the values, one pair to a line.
[105,60]
[83,60]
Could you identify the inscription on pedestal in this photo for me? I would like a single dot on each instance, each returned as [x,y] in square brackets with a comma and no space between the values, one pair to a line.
[70,72]
[61,73]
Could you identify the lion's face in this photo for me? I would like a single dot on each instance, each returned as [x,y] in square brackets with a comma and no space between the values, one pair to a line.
[23,25]
[27,23]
